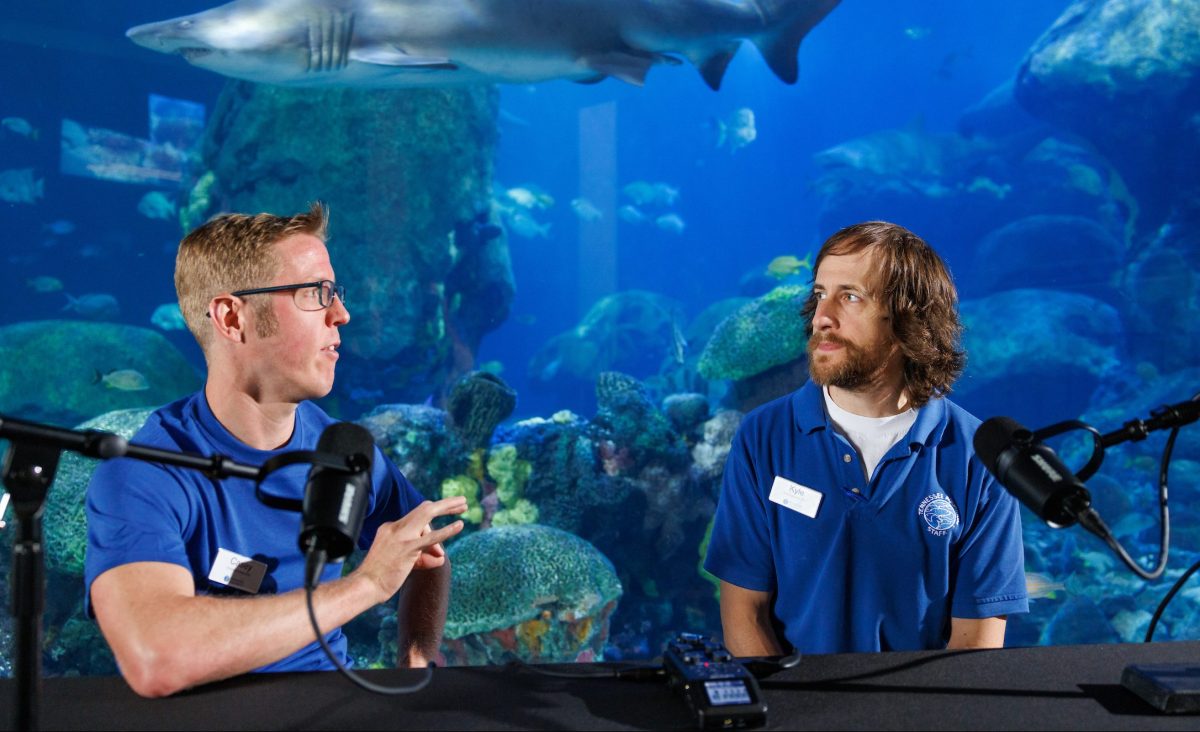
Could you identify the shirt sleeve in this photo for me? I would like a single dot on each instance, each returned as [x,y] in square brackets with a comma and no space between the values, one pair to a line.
[739,550]
[990,579]
[133,515]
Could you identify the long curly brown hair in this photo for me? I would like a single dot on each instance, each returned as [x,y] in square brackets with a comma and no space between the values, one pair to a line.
[920,297]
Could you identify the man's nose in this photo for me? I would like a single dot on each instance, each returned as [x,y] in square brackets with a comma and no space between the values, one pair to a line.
[338,313]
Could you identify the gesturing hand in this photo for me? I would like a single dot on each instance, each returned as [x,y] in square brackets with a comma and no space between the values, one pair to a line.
[409,543]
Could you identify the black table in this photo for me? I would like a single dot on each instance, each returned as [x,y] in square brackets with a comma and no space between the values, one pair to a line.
[1065,687]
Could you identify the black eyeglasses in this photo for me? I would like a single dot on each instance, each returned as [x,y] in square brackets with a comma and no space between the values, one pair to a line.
[308,295]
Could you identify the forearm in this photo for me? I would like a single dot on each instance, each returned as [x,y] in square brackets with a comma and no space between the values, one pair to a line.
[184,640]
[421,615]
[746,622]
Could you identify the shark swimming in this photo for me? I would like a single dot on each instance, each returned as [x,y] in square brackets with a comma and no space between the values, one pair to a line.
[401,43]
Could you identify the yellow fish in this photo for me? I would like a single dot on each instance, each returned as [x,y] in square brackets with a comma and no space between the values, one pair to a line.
[1039,586]
[788,265]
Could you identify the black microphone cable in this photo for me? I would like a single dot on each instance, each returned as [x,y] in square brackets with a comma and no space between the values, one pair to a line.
[1163,466]
[314,563]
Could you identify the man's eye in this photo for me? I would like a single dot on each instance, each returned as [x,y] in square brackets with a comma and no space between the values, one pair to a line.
[850,296]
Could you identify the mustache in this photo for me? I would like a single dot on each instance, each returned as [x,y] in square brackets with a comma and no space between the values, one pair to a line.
[817,340]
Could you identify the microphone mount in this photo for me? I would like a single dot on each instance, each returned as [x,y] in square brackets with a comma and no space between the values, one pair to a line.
[29,468]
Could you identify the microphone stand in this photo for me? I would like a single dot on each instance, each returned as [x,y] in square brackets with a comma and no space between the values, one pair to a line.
[1170,688]
[29,468]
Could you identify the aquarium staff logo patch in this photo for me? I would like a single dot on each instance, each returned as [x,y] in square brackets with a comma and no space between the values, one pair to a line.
[939,513]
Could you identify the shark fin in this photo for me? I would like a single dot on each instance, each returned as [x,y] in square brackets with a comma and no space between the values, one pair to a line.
[712,67]
[780,47]
[629,66]
[392,56]
[594,79]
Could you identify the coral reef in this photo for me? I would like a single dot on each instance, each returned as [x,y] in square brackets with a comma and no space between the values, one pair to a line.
[532,591]
[761,347]
[478,402]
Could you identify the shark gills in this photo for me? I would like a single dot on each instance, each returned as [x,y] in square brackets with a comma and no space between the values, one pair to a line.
[330,35]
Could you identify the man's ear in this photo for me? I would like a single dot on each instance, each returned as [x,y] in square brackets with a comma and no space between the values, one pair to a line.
[228,316]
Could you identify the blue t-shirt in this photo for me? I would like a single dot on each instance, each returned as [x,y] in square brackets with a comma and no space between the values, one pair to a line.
[858,565]
[147,512]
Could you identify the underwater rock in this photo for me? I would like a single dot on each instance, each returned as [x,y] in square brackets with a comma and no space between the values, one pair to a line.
[1162,284]
[68,371]
[999,115]
[685,411]
[1123,74]
[478,402]
[708,456]
[64,521]
[1085,257]
[1137,398]
[418,440]
[761,347]
[400,170]
[630,431]
[534,592]
[1078,620]
[1053,348]
[73,643]
[633,332]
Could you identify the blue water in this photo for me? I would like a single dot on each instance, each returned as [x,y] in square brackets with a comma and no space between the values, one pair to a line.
[870,66]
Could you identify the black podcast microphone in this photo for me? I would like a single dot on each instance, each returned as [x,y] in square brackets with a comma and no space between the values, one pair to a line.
[335,500]
[1031,471]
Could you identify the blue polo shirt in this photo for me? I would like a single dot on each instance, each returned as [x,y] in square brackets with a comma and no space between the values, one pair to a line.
[147,512]
[858,565]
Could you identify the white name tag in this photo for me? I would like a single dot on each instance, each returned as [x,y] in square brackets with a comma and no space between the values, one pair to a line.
[799,498]
[236,571]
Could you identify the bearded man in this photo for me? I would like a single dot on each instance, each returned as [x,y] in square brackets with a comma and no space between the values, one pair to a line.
[854,514]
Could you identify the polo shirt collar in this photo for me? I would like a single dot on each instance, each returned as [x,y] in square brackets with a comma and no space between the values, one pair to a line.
[808,406]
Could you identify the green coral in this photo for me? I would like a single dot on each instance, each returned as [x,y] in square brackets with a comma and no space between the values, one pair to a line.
[465,486]
[759,335]
[510,472]
[521,512]
[511,574]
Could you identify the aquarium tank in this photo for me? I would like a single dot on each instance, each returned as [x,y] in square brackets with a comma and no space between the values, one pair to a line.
[569,281]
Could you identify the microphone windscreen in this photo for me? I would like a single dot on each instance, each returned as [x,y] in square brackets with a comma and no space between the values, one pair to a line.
[346,439]
[993,437]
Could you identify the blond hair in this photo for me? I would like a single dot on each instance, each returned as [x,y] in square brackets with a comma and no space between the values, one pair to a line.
[236,252]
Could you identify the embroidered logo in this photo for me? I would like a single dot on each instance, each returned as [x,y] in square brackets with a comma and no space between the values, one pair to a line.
[939,514]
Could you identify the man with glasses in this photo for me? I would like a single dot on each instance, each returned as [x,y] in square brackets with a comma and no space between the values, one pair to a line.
[259,294]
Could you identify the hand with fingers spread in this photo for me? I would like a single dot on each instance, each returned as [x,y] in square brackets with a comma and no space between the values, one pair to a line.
[410,543]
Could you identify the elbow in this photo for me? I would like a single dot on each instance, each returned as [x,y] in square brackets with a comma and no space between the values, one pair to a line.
[155,672]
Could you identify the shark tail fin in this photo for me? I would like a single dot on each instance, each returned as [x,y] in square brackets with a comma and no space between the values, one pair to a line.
[712,67]
[789,21]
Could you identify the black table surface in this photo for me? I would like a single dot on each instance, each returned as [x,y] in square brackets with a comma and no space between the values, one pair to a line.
[1062,687]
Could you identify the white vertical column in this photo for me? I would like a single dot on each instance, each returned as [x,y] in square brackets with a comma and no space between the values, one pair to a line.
[598,184]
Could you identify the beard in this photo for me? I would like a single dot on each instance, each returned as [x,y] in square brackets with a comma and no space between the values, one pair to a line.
[856,368]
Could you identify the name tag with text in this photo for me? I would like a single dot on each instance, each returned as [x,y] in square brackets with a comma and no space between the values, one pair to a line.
[237,571]
[799,498]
